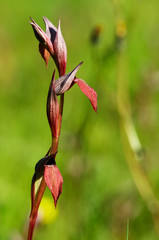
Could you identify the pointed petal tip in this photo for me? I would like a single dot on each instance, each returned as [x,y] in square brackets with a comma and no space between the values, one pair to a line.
[59,24]
[45,19]
[80,63]
[32,22]
[53,78]
[95,108]
[52,83]
[31,19]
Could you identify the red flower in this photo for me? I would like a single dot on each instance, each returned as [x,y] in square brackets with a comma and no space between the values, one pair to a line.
[51,43]
[65,82]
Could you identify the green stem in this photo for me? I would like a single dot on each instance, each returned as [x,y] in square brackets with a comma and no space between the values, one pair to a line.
[131,142]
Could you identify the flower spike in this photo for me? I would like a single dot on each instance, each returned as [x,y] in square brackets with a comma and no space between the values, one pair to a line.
[51,43]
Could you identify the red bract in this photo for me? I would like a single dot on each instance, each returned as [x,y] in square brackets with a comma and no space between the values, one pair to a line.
[52,177]
[47,167]
[51,43]
[88,91]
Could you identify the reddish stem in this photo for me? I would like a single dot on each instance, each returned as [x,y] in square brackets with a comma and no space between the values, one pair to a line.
[33,192]
[60,114]
[41,189]
[34,212]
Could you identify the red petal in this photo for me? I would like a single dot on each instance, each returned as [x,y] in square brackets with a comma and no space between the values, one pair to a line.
[88,91]
[54,181]
[53,108]
[60,51]
[44,53]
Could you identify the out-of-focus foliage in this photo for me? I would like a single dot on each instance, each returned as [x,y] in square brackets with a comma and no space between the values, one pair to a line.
[99,194]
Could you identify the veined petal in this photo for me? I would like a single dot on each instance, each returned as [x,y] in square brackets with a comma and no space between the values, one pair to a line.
[88,91]
[42,37]
[63,83]
[39,33]
[53,108]
[53,180]
[51,30]
[60,51]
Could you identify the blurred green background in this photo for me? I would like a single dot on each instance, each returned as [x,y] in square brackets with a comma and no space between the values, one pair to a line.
[99,194]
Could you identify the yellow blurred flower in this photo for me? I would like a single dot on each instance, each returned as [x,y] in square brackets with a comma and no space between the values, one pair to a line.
[121,29]
[47,212]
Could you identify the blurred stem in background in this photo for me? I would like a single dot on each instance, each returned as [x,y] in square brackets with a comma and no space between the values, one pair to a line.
[131,143]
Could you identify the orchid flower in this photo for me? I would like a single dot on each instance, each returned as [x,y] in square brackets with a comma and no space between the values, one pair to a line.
[51,43]
[66,81]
